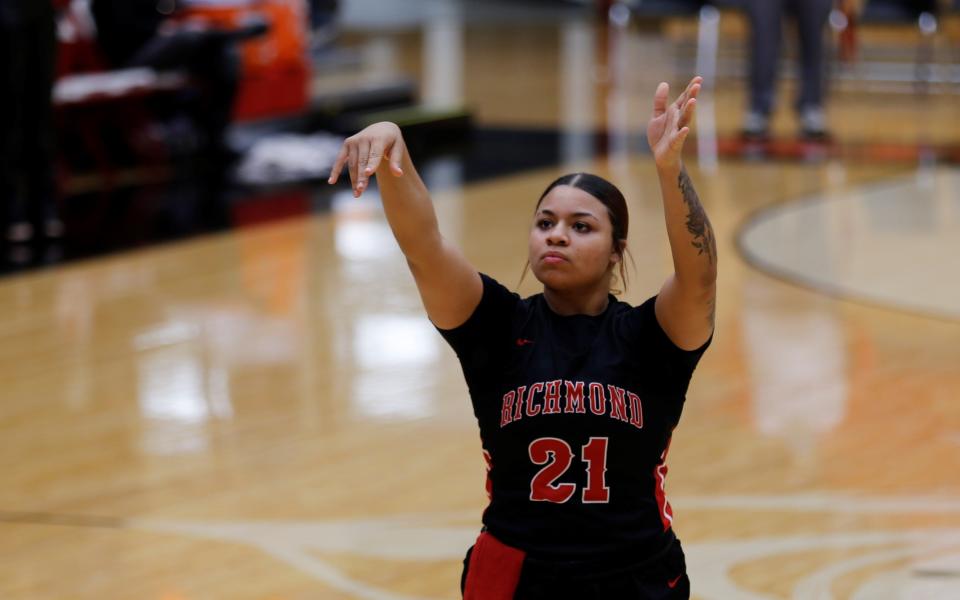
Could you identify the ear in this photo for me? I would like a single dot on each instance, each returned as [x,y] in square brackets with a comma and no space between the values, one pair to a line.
[615,255]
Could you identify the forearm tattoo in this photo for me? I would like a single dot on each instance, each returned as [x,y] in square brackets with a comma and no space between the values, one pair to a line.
[697,222]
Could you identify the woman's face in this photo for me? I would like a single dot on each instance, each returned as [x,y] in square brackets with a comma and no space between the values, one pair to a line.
[570,244]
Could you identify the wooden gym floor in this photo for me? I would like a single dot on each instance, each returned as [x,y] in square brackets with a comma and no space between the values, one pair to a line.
[266,413]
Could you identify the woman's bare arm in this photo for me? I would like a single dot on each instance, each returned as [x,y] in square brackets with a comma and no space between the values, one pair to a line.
[686,306]
[449,285]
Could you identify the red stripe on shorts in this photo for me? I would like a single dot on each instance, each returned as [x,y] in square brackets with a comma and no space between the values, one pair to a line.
[494,570]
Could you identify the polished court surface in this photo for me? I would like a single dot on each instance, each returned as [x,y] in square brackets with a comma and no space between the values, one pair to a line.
[267,414]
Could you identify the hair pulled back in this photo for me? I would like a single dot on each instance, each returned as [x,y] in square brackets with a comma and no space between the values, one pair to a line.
[608,195]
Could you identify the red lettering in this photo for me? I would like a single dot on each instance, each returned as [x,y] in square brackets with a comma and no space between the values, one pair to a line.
[574,402]
[595,455]
[636,410]
[598,401]
[518,407]
[537,387]
[551,398]
[556,455]
[624,405]
[506,414]
[618,403]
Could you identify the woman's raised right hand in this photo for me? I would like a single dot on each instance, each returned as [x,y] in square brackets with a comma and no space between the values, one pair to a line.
[362,154]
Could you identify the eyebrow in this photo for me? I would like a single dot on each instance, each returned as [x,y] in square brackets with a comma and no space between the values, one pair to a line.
[550,213]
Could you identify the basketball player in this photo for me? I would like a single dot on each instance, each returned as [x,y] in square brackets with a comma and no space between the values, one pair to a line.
[576,393]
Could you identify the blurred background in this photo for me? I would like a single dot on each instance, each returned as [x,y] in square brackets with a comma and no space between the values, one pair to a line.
[216,378]
[170,118]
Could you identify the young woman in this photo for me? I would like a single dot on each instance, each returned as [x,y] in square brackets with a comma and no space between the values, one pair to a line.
[576,393]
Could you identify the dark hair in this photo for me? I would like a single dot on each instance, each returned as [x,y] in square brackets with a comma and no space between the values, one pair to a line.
[610,197]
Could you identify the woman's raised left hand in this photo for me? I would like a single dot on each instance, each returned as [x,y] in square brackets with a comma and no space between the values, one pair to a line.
[670,124]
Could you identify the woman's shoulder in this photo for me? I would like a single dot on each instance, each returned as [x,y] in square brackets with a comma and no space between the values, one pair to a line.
[621,308]
[494,290]
[639,326]
[634,322]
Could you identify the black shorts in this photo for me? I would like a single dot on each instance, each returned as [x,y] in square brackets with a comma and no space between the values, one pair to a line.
[662,578]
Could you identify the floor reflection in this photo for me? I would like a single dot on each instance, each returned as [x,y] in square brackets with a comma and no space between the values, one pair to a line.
[796,355]
[882,243]
[393,355]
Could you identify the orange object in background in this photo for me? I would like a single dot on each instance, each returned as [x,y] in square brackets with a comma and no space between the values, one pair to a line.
[275,73]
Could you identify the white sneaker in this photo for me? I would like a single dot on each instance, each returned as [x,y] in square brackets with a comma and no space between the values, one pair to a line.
[813,121]
[755,124]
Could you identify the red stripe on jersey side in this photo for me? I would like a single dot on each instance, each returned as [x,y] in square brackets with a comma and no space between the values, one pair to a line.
[489,484]
[660,476]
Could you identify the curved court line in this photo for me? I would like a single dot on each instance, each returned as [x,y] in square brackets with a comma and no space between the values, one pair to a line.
[387,539]
[712,562]
[293,542]
[794,276]
[880,585]
[830,503]
[819,583]
[331,576]
[425,537]
[411,537]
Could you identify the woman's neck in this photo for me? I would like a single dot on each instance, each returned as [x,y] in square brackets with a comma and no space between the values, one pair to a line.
[576,302]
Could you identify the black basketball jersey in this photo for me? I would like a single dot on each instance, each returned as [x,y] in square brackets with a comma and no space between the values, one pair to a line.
[575,415]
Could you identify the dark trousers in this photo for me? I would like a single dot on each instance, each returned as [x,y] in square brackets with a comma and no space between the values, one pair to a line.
[27,54]
[212,59]
[322,12]
[766,25]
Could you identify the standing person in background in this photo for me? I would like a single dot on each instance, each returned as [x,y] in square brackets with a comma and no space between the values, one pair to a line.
[576,393]
[766,26]
[143,33]
[323,22]
[27,54]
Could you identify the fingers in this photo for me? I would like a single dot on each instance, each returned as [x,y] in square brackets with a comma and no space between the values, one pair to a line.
[673,120]
[686,115]
[693,88]
[660,98]
[670,126]
[677,142]
[674,134]
[363,153]
[396,158]
[695,83]
[352,168]
[338,164]
[677,131]
[373,160]
[363,159]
